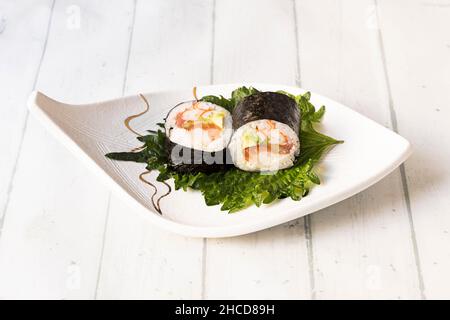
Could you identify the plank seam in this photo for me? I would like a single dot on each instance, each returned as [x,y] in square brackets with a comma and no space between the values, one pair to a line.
[211,80]
[298,79]
[125,79]
[213,42]
[130,40]
[404,181]
[204,253]
[25,124]
[102,250]
[310,252]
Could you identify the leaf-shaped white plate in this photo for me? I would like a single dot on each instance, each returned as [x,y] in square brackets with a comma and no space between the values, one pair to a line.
[369,153]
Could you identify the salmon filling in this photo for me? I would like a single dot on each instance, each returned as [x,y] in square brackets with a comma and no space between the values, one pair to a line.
[265,139]
[252,153]
[206,118]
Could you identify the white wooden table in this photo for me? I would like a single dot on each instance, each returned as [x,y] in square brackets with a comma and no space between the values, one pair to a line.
[64,236]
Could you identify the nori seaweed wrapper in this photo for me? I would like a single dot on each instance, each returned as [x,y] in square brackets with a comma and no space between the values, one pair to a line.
[188,160]
[198,160]
[267,105]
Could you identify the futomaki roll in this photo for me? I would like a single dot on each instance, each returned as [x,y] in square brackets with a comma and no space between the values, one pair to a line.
[197,135]
[266,136]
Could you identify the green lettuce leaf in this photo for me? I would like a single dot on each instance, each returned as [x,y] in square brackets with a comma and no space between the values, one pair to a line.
[235,189]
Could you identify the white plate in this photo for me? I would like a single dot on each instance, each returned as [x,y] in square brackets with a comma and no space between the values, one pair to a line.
[369,153]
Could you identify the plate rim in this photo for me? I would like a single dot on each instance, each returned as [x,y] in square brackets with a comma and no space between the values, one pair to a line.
[208,231]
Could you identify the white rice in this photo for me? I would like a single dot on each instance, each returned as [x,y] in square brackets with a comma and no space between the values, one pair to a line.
[264,161]
[197,138]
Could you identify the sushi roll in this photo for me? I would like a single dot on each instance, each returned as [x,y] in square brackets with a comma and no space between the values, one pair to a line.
[197,135]
[266,136]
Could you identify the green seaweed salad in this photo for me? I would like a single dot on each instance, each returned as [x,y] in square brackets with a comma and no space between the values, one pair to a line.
[233,188]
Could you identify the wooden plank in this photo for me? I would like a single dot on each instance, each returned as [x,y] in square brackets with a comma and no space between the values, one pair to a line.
[171,47]
[417,53]
[362,247]
[255,41]
[53,230]
[22,26]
